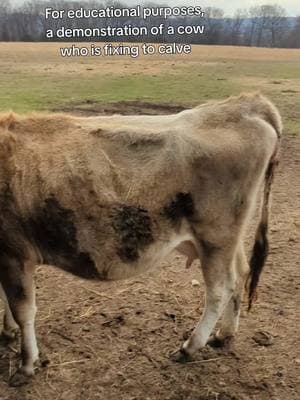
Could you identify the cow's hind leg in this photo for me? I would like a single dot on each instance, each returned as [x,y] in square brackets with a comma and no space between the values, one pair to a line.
[10,326]
[17,282]
[219,277]
[230,320]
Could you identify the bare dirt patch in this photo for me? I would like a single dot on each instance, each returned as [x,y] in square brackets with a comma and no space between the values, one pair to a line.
[113,340]
[89,107]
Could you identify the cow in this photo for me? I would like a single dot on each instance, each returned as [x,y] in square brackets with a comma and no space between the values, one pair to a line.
[108,197]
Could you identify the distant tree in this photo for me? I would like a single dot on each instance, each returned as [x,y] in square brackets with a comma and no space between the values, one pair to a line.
[5,10]
[213,21]
[268,23]
[276,22]
[5,7]
[292,39]
[252,26]
[236,26]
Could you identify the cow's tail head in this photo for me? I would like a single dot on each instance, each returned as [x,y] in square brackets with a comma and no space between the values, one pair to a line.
[261,244]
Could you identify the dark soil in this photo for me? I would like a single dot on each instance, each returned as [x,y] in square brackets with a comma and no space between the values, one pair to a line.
[89,108]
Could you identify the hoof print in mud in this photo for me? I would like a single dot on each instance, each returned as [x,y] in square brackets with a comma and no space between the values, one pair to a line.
[263,338]
[19,379]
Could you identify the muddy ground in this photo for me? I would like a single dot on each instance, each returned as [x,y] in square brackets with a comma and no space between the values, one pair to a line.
[111,341]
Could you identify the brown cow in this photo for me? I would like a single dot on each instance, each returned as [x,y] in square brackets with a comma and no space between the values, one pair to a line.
[108,197]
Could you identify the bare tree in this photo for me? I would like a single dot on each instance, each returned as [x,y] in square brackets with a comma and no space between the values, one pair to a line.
[252,26]
[276,22]
[5,10]
[236,25]
[293,37]
[267,23]
[213,21]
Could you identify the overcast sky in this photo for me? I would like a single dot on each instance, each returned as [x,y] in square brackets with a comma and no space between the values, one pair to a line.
[229,6]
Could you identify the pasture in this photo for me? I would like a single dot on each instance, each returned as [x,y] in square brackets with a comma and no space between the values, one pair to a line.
[112,340]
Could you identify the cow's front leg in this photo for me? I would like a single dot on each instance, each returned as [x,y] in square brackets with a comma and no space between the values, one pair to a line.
[230,321]
[219,277]
[19,289]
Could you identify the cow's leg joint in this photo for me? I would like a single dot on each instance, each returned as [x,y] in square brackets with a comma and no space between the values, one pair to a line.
[230,321]
[220,278]
[10,327]
[21,311]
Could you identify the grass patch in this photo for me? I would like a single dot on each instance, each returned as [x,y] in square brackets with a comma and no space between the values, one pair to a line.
[44,93]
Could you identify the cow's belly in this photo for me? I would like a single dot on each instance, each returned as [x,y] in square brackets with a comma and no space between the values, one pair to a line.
[111,265]
[115,266]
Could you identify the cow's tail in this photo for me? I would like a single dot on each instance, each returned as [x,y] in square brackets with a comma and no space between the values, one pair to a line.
[261,244]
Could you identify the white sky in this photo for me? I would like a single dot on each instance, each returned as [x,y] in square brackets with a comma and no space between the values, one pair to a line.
[229,6]
[292,6]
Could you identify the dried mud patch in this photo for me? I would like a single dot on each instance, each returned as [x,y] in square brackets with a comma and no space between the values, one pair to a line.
[135,107]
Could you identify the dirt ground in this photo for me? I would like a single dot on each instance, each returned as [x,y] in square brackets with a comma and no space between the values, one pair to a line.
[111,341]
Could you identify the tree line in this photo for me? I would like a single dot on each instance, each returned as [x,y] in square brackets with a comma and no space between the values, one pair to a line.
[261,26]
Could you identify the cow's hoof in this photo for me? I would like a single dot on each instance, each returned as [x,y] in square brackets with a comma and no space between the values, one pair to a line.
[181,356]
[20,378]
[216,342]
[8,336]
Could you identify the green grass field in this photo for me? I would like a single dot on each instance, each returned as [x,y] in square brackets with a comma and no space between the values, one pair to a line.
[33,77]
